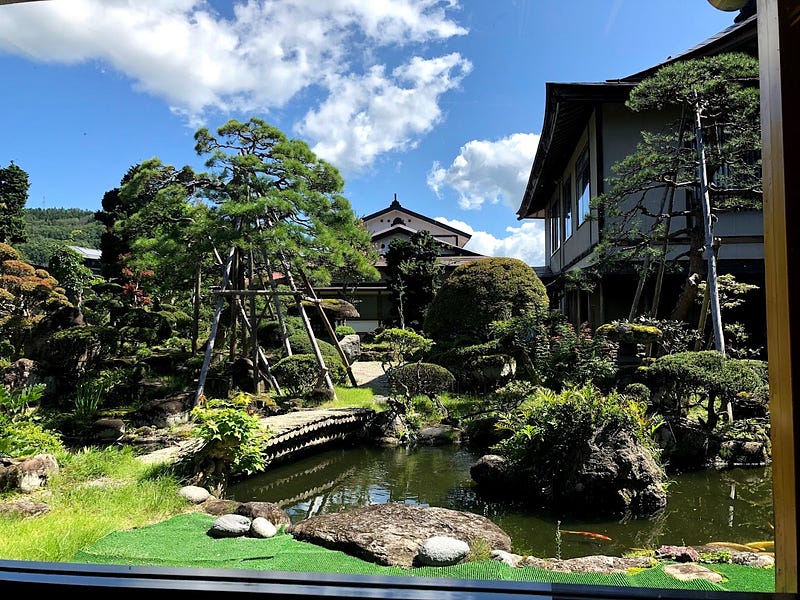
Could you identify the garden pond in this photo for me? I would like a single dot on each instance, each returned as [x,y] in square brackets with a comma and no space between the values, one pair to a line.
[728,505]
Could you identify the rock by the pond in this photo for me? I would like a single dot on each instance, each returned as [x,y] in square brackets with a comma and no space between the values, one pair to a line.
[270,511]
[392,533]
[759,560]
[230,526]
[689,571]
[194,494]
[262,528]
[606,565]
[31,473]
[442,551]
[217,506]
[108,430]
[441,435]
[491,472]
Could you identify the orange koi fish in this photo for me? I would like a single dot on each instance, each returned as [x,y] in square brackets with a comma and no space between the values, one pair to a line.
[596,536]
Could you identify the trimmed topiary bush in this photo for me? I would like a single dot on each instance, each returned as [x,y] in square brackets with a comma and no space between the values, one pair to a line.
[688,379]
[478,368]
[421,379]
[480,292]
[300,374]
[302,345]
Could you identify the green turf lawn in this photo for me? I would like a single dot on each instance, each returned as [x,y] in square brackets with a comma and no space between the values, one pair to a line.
[182,541]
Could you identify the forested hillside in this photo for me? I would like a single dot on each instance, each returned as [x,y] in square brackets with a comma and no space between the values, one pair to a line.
[47,229]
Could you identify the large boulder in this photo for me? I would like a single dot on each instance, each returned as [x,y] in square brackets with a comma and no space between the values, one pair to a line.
[619,475]
[392,533]
[611,474]
[351,346]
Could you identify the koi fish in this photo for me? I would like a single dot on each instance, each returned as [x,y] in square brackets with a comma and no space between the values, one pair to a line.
[761,546]
[596,536]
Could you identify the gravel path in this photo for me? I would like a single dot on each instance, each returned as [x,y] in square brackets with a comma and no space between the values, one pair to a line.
[370,374]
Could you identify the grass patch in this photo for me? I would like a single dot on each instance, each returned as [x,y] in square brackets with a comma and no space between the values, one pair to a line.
[349,397]
[95,493]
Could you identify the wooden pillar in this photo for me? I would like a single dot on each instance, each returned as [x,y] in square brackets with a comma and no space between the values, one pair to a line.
[779,60]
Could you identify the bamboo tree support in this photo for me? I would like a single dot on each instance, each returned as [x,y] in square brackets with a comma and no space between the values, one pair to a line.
[278,308]
[298,298]
[261,357]
[330,329]
[222,293]
[716,317]
[226,272]
[253,329]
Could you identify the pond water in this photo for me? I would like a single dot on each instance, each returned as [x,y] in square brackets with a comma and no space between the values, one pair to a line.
[732,505]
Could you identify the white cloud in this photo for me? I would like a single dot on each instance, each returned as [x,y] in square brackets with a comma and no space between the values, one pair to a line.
[366,116]
[266,55]
[525,242]
[488,172]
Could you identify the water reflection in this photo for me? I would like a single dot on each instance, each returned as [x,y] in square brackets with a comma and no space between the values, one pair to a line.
[731,505]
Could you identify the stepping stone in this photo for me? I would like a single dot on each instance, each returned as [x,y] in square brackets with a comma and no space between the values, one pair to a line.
[689,571]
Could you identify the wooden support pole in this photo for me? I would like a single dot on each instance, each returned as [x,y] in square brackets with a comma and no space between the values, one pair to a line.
[330,329]
[779,67]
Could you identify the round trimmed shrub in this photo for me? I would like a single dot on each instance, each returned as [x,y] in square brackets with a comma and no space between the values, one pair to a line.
[302,345]
[299,374]
[480,292]
[422,379]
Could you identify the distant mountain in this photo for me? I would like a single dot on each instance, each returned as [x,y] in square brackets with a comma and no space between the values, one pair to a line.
[48,229]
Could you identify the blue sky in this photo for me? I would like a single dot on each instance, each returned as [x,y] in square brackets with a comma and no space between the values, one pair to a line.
[438,102]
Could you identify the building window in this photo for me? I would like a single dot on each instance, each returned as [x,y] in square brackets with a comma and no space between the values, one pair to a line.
[582,173]
[566,200]
[555,225]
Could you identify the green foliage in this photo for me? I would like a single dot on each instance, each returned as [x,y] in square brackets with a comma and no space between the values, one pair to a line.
[67,267]
[20,432]
[26,295]
[641,203]
[301,344]
[630,333]
[13,196]
[413,274]
[553,354]
[27,438]
[90,393]
[269,333]
[404,345]
[687,379]
[676,336]
[76,349]
[481,292]
[17,405]
[300,374]
[134,495]
[731,296]
[477,368]
[421,379]
[261,176]
[550,430]
[49,229]
[232,436]
[343,330]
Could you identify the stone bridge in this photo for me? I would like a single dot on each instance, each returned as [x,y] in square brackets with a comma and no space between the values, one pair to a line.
[299,431]
[292,434]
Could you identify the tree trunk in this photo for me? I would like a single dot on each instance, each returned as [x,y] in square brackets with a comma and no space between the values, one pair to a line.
[716,317]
